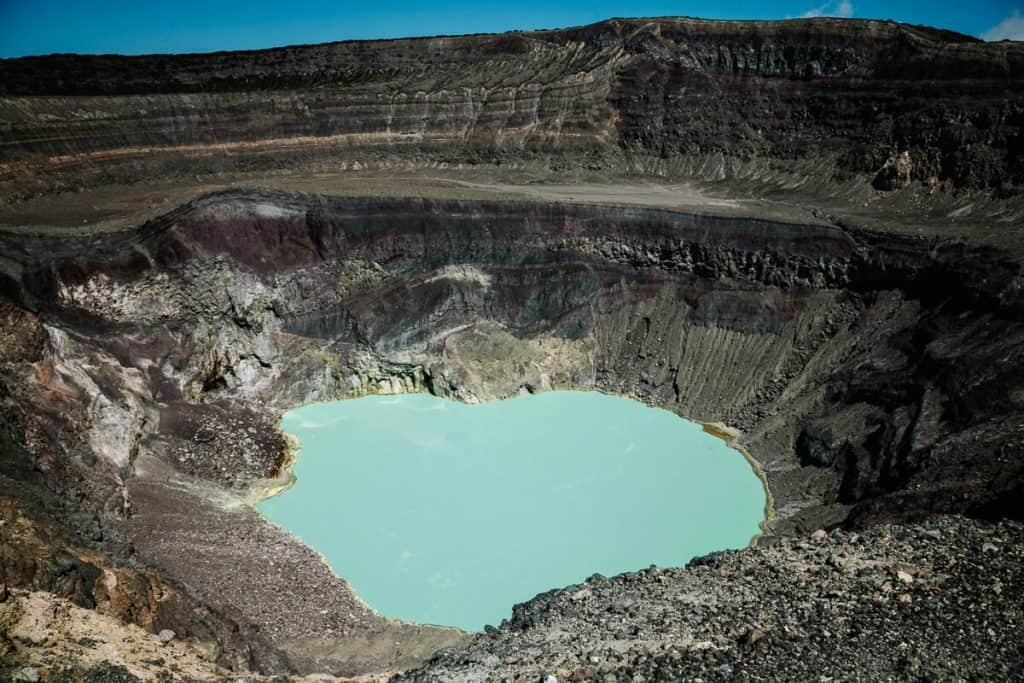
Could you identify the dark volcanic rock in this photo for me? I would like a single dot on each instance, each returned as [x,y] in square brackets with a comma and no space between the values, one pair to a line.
[816,446]
[891,603]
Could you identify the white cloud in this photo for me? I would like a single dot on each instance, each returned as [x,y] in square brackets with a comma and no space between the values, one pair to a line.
[1012,28]
[843,8]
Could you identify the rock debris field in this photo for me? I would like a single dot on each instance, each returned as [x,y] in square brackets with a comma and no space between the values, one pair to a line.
[939,601]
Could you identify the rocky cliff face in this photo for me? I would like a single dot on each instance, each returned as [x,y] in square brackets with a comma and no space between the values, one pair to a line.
[809,100]
[869,365]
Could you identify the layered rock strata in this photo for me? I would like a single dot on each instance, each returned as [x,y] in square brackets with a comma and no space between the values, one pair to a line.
[808,102]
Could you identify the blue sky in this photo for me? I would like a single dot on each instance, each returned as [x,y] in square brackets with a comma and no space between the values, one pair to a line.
[29,27]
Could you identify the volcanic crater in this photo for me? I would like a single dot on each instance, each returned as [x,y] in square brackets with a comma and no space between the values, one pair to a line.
[806,234]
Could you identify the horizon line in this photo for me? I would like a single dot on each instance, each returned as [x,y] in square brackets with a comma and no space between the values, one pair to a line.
[859,20]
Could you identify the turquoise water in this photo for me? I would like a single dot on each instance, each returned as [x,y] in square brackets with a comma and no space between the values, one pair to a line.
[444,513]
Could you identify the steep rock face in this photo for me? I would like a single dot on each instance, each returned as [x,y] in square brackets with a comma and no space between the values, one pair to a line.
[657,299]
[671,96]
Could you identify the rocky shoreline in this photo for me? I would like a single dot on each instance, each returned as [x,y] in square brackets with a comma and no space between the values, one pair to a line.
[940,600]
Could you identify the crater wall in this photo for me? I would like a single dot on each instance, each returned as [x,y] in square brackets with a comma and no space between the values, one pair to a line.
[805,103]
[873,379]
